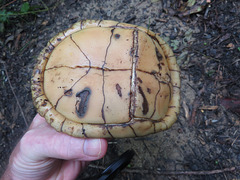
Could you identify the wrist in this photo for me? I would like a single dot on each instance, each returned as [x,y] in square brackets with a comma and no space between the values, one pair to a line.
[21,167]
[7,175]
[24,168]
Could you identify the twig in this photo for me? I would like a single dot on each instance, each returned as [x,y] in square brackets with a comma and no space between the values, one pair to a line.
[10,84]
[24,13]
[235,140]
[7,4]
[172,173]
[186,110]
[208,107]
[208,57]
[46,7]
[196,104]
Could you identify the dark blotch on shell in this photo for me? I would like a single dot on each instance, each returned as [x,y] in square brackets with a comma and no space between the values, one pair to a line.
[44,103]
[154,72]
[117,36]
[82,99]
[149,90]
[159,66]
[119,90]
[139,79]
[47,50]
[159,55]
[68,92]
[145,107]
[131,52]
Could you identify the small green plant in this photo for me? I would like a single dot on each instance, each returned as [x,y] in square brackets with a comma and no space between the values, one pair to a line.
[210,73]
[25,9]
[4,16]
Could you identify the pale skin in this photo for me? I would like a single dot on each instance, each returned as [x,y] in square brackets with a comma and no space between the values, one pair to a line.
[43,153]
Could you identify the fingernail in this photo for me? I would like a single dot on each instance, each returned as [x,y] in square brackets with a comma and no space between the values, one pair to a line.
[92,147]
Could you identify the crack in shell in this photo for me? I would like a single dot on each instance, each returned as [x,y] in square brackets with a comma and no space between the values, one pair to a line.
[133,75]
[105,58]
[89,62]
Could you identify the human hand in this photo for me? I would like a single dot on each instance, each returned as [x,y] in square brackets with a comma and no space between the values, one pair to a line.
[43,153]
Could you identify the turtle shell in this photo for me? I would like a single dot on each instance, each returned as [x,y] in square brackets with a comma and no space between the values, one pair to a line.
[107,79]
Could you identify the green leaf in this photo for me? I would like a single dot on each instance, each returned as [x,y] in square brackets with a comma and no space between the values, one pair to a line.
[210,73]
[25,7]
[175,44]
[191,3]
[3,16]
[9,13]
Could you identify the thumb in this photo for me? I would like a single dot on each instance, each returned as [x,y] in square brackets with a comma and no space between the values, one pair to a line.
[43,142]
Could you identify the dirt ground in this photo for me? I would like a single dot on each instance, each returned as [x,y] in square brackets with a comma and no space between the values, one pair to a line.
[204,143]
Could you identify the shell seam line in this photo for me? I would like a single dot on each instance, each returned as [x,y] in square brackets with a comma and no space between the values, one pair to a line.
[136,119]
[89,62]
[92,67]
[133,130]
[159,88]
[105,59]
[133,75]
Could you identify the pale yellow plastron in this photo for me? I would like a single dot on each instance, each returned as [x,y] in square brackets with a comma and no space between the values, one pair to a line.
[107,79]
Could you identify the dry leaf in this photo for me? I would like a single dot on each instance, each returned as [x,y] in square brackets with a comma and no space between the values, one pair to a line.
[231,46]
